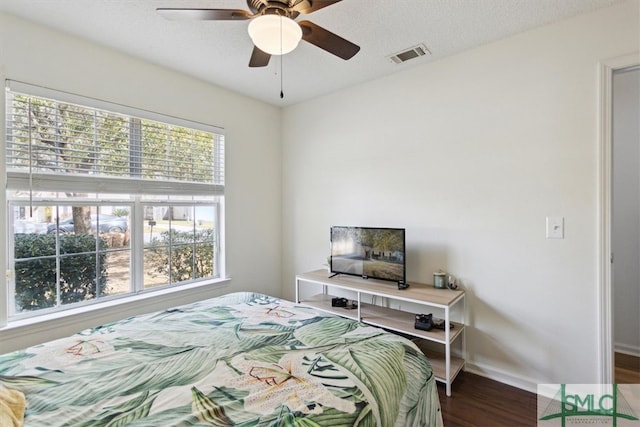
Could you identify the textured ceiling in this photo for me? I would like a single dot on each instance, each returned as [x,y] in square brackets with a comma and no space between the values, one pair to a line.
[219,51]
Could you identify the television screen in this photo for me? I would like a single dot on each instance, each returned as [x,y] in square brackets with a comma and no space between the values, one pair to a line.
[374,253]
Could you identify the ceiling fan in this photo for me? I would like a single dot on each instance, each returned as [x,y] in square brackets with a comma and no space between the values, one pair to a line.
[272,27]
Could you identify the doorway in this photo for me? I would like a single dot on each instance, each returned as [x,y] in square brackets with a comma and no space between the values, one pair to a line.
[625,223]
[606,297]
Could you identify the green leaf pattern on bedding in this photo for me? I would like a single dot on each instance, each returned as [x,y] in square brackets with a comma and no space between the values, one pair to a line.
[243,359]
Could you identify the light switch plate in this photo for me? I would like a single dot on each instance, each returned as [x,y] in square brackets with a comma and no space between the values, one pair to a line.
[555,227]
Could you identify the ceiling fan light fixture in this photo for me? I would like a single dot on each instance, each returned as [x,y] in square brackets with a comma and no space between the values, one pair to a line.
[267,31]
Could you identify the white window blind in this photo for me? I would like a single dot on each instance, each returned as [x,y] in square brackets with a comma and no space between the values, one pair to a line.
[57,144]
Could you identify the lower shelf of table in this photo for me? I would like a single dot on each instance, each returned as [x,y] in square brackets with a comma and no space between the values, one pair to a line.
[439,367]
[384,317]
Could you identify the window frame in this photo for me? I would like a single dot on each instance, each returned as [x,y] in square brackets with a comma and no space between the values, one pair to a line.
[135,203]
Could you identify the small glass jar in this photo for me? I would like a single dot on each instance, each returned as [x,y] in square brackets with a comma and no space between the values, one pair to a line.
[440,280]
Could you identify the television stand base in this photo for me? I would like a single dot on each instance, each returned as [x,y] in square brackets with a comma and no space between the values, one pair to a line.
[333,275]
[402,285]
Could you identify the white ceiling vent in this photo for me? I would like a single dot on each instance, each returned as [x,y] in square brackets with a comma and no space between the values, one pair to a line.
[407,54]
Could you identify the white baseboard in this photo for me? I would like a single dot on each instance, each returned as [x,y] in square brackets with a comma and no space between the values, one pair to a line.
[517,381]
[627,349]
[528,384]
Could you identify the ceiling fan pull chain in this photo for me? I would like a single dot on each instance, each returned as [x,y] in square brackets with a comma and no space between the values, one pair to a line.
[281,91]
[281,69]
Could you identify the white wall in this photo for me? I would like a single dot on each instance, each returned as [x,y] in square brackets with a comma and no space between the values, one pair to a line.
[470,154]
[36,55]
[625,236]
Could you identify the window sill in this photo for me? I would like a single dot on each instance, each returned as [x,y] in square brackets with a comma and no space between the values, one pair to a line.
[120,306]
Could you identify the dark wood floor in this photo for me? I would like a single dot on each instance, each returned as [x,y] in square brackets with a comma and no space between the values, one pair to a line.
[480,402]
[627,369]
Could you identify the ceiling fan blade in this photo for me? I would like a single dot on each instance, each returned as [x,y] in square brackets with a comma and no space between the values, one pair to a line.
[308,6]
[205,14]
[259,58]
[327,40]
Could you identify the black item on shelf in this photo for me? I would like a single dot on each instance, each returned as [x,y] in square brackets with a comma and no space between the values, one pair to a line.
[339,302]
[351,304]
[344,303]
[424,322]
[439,323]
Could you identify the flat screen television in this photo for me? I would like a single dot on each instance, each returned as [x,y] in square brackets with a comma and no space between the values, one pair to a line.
[368,252]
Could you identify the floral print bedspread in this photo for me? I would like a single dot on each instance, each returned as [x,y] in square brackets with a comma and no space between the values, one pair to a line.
[243,359]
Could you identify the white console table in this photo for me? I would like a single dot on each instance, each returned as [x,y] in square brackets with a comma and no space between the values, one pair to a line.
[445,366]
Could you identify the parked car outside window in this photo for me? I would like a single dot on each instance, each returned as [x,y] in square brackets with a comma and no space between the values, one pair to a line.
[108,224]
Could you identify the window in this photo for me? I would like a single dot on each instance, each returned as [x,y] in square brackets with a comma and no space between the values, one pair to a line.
[105,200]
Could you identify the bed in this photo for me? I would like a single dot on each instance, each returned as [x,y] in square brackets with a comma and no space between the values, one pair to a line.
[243,359]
